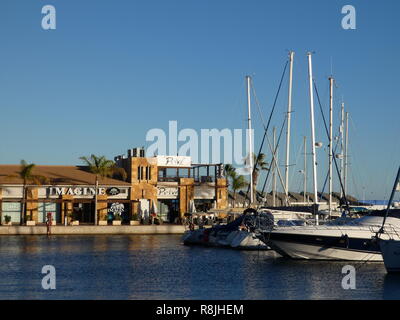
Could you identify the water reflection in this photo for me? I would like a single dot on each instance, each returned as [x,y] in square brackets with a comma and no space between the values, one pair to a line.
[160,267]
[391,286]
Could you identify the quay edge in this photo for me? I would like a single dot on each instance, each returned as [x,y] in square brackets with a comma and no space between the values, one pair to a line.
[92,230]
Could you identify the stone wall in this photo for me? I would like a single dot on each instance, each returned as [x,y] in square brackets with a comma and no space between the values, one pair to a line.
[221,193]
[186,193]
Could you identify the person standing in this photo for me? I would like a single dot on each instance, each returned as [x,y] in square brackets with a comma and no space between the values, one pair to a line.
[49,223]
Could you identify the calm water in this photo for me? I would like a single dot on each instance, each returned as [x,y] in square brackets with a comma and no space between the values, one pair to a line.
[159,267]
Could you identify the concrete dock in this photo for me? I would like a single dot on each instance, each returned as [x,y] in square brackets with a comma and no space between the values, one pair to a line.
[83,230]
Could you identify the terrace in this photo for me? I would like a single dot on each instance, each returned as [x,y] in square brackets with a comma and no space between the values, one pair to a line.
[201,173]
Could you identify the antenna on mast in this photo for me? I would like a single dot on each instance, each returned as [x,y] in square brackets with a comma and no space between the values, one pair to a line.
[248,81]
[289,113]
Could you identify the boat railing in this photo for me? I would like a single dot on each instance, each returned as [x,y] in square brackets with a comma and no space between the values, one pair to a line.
[372,228]
[392,231]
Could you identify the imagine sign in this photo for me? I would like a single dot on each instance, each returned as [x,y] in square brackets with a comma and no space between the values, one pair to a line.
[76,191]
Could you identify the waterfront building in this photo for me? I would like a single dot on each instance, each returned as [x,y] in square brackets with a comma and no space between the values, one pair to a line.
[168,185]
[173,183]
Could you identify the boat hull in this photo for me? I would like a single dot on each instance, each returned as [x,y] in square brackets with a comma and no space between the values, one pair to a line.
[391,255]
[241,240]
[315,252]
[246,241]
[347,244]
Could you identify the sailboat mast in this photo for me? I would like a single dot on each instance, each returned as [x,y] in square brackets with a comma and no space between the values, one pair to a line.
[274,170]
[330,142]
[342,148]
[248,81]
[310,75]
[346,163]
[305,169]
[289,112]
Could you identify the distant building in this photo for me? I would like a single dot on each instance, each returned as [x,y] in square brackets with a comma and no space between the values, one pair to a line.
[169,185]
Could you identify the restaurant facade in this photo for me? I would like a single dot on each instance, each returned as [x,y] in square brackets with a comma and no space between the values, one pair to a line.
[169,186]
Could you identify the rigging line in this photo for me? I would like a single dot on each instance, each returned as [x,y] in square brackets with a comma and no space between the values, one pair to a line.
[356,169]
[295,164]
[238,106]
[274,155]
[355,186]
[327,175]
[268,123]
[333,153]
[276,96]
[277,166]
[269,144]
[272,111]
[274,160]
[258,106]
[299,186]
[355,173]
[268,187]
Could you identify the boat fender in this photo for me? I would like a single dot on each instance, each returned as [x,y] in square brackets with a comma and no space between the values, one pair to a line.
[345,238]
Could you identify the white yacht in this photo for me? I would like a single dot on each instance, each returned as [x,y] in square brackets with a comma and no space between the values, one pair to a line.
[338,240]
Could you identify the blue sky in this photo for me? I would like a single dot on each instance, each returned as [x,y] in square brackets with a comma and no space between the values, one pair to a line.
[112,70]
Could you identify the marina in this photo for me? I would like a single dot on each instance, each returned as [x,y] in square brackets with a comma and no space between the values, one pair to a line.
[208,153]
[162,226]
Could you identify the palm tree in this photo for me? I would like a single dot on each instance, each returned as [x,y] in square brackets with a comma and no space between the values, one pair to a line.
[260,165]
[26,174]
[102,167]
[238,182]
[230,171]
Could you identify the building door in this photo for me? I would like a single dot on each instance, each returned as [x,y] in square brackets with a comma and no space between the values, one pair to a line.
[84,212]
[168,209]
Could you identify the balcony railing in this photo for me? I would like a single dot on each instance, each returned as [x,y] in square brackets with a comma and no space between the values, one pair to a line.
[201,179]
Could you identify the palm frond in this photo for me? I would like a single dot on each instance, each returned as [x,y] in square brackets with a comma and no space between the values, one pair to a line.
[239,182]
[120,172]
[101,166]
[230,171]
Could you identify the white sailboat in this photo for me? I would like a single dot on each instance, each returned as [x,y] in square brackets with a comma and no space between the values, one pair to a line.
[232,235]
[337,240]
[289,210]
